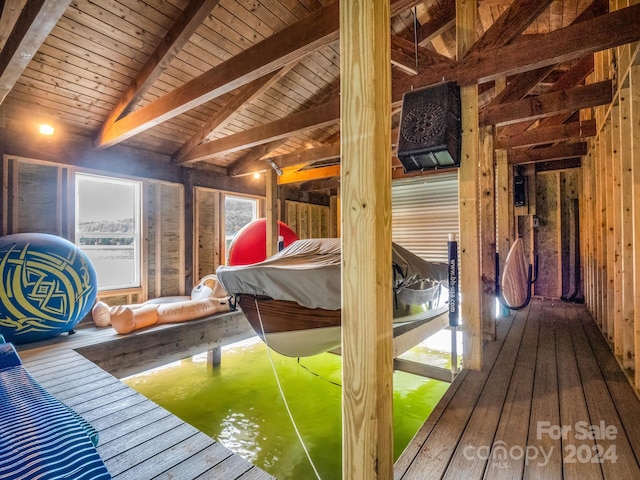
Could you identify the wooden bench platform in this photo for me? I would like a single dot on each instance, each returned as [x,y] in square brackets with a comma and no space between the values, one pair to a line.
[547,379]
[139,440]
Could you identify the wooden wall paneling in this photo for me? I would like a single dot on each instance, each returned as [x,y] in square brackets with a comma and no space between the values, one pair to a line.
[602,233]
[334,220]
[36,198]
[616,202]
[586,223]
[206,236]
[487,231]
[597,224]
[271,205]
[172,266]
[315,221]
[292,215]
[626,224]
[610,232]
[634,91]
[469,188]
[151,259]
[303,221]
[367,340]
[547,235]
[324,222]
[4,182]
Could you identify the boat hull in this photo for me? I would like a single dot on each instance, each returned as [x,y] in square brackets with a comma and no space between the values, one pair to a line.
[297,331]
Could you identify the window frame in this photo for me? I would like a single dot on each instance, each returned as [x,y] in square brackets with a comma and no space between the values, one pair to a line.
[136,235]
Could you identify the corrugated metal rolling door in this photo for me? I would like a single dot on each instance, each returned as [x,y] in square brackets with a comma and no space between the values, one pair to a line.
[424,212]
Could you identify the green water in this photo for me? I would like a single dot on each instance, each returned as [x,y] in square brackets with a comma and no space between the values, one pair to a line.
[239,405]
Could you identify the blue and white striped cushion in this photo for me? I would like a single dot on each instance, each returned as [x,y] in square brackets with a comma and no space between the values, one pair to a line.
[40,438]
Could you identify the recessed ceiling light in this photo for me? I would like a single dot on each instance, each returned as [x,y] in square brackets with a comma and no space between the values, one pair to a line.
[46,129]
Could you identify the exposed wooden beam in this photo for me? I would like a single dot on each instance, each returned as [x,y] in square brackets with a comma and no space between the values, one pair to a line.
[292,43]
[37,19]
[513,21]
[519,86]
[548,104]
[556,152]
[403,56]
[439,24]
[178,35]
[294,175]
[563,164]
[324,152]
[315,117]
[541,136]
[531,52]
[246,94]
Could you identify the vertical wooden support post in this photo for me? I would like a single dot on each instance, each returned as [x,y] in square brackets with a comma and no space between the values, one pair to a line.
[634,90]
[609,226]
[626,210]
[214,356]
[469,188]
[272,211]
[616,213]
[488,232]
[504,201]
[367,338]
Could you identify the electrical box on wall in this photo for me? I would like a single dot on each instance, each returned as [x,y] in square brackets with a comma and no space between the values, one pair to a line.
[520,191]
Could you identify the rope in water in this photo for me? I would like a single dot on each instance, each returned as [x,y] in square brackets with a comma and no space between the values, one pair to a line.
[284,399]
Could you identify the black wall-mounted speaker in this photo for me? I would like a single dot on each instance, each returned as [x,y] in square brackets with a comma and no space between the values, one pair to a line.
[519,191]
[429,134]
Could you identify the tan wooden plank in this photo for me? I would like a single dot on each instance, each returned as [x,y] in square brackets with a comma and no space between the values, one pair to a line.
[542,154]
[616,226]
[545,403]
[622,393]
[573,406]
[602,411]
[430,451]
[210,457]
[609,227]
[367,341]
[634,86]
[469,197]
[487,231]
[481,427]
[512,428]
[626,208]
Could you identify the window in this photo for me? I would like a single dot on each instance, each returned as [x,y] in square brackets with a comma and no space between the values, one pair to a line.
[108,228]
[238,212]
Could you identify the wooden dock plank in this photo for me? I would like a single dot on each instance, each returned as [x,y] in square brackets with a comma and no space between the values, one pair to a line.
[138,439]
[467,462]
[514,421]
[436,451]
[545,404]
[573,405]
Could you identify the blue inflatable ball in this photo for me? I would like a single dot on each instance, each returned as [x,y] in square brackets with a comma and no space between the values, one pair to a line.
[48,286]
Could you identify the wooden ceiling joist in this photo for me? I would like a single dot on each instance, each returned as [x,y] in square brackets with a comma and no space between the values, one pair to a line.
[541,136]
[293,175]
[545,154]
[511,24]
[290,44]
[37,19]
[439,24]
[175,39]
[548,104]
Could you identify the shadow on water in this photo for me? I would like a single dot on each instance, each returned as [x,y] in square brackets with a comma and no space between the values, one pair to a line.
[238,404]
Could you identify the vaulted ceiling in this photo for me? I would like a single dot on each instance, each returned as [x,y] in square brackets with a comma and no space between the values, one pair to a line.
[223,84]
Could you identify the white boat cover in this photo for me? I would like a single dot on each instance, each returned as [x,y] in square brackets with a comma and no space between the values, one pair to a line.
[308,272]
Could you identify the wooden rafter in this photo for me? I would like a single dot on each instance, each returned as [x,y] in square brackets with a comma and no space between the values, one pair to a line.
[511,24]
[246,94]
[548,104]
[178,35]
[438,24]
[292,43]
[37,19]
[556,152]
[541,136]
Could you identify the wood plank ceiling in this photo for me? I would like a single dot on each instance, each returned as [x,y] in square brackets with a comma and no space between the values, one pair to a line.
[220,84]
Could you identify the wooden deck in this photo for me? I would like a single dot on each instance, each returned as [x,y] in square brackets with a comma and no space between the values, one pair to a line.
[549,369]
[139,440]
